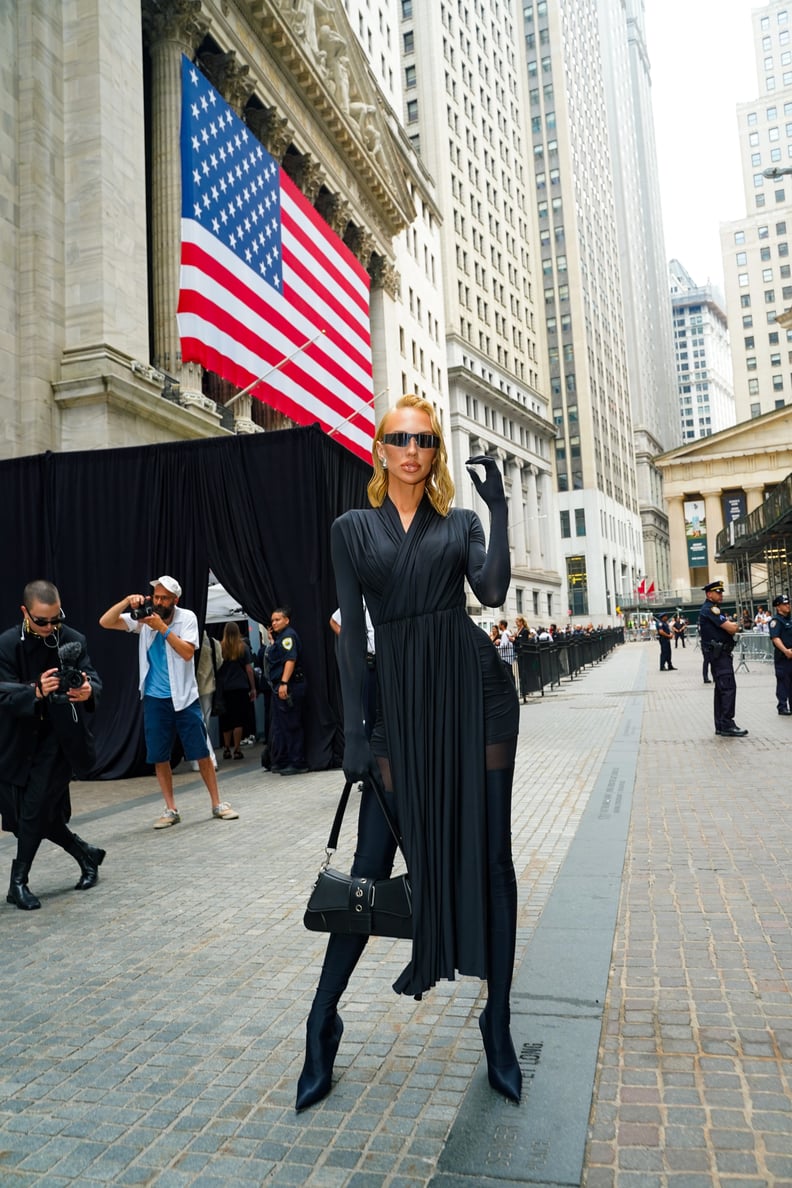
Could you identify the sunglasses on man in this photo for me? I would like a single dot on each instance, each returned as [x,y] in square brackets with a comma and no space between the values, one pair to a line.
[424,441]
[46,622]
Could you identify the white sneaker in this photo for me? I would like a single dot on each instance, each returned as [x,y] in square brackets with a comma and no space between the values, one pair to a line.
[224,812]
[168,818]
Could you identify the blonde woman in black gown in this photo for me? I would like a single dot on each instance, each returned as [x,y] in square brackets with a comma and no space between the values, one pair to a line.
[444,742]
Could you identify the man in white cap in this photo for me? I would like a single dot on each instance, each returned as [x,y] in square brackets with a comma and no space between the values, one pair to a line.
[168,637]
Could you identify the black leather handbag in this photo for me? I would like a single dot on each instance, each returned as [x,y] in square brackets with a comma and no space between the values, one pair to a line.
[348,904]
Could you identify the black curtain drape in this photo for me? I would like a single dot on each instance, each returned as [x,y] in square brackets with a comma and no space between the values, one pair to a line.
[256,510]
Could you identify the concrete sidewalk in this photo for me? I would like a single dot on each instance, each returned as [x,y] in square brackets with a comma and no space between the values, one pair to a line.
[152,1028]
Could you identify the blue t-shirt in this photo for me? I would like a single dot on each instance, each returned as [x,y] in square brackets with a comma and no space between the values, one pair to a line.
[157,678]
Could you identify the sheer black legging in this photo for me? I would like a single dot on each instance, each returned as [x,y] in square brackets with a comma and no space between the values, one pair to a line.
[374,856]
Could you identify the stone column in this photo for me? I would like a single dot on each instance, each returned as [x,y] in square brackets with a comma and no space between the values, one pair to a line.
[517,512]
[714,515]
[172,29]
[680,571]
[532,512]
[754,497]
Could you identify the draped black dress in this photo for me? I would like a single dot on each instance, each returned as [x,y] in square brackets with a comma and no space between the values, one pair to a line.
[445,702]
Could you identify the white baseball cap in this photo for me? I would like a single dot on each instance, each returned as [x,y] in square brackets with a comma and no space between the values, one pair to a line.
[170,584]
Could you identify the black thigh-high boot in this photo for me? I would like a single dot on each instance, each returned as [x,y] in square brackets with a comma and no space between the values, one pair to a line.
[502,1064]
[374,856]
[324,1028]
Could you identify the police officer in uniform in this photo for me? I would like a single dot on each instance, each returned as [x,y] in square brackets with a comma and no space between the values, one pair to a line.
[781,635]
[664,636]
[717,632]
[284,663]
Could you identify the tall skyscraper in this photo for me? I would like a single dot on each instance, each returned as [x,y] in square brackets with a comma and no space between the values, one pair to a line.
[756,260]
[639,222]
[463,82]
[703,357]
[584,302]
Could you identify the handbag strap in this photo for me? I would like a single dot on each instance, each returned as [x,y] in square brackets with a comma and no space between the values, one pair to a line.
[335,829]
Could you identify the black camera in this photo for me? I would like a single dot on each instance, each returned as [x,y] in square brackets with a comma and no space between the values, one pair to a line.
[69,677]
[143,611]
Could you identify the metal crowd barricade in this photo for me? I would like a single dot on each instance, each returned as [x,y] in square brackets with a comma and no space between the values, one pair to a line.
[752,645]
[541,663]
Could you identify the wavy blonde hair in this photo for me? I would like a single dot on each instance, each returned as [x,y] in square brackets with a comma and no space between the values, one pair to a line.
[439,484]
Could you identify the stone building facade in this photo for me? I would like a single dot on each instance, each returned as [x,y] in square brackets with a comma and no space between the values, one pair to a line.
[90,200]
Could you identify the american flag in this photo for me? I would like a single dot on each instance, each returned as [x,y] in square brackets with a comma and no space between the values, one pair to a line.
[262,274]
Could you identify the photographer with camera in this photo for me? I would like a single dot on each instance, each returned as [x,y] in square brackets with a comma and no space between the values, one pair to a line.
[168,638]
[47,685]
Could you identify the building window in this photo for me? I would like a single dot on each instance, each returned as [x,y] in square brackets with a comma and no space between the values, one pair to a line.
[742,258]
[409,77]
[753,387]
[742,280]
[745,301]
[764,232]
[739,237]
[580,521]
[409,42]
[749,342]
[565,525]
[767,274]
[412,111]
[778,383]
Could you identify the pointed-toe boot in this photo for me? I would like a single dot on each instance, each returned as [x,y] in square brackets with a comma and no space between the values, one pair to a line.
[503,1068]
[321,1047]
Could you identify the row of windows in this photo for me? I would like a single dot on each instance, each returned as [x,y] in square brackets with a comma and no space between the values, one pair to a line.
[763,232]
[770,112]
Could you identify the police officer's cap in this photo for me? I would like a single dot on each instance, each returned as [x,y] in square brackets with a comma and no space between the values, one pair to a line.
[718,586]
[781,600]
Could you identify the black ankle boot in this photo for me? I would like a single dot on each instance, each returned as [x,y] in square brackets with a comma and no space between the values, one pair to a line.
[503,1068]
[18,890]
[90,858]
[323,1035]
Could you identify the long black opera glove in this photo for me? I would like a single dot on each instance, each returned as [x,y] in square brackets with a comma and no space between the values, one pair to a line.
[489,568]
[359,762]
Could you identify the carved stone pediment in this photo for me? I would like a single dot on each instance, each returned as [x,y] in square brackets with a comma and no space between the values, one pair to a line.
[315,43]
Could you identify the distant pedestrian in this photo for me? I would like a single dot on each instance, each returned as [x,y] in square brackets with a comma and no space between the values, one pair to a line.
[237,683]
[506,648]
[781,635]
[664,636]
[717,632]
[679,629]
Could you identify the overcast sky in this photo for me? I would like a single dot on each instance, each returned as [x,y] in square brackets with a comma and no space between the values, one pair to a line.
[702,60]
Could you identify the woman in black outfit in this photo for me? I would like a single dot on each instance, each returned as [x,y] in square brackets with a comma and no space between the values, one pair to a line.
[237,680]
[444,742]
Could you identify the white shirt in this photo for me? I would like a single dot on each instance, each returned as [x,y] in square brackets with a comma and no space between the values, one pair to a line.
[181,673]
[370,641]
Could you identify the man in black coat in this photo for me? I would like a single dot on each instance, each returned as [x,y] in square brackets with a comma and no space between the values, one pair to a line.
[47,686]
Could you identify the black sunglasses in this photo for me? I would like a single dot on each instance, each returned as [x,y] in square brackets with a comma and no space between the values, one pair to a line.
[424,441]
[46,622]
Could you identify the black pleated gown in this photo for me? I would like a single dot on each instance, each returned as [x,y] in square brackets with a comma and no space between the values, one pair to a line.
[444,694]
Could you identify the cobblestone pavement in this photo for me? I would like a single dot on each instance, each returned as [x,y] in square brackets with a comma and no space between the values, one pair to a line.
[694,1084]
[152,1028]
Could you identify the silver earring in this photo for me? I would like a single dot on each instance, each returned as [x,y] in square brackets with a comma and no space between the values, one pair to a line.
[384,462]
